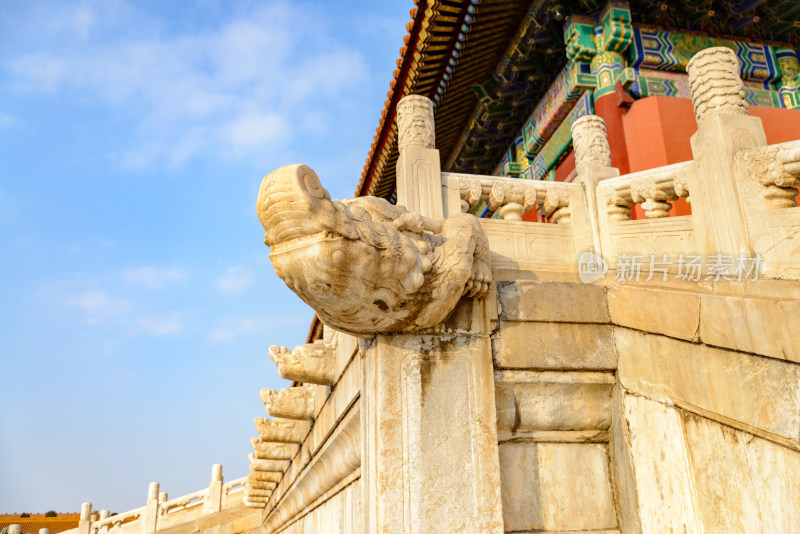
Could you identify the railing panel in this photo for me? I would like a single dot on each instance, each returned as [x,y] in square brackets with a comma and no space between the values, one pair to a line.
[523,245]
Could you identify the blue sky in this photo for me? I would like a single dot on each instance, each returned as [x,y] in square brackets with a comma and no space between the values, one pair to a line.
[138,301]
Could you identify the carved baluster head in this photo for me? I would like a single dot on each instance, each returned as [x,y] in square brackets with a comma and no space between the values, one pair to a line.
[104,514]
[779,174]
[556,204]
[216,472]
[716,85]
[681,185]
[86,511]
[653,199]
[618,206]
[470,191]
[501,200]
[415,125]
[590,140]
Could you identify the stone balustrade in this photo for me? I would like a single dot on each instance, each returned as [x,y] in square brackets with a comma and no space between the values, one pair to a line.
[160,512]
[742,192]
[509,198]
[653,189]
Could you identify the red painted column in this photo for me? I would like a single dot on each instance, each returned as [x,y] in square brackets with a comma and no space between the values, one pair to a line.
[607,107]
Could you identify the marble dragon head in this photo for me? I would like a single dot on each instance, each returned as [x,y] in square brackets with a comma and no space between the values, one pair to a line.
[367,266]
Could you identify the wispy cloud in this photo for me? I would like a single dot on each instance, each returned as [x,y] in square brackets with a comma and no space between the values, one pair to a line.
[172,323]
[235,280]
[229,329]
[98,306]
[230,90]
[154,277]
[7,120]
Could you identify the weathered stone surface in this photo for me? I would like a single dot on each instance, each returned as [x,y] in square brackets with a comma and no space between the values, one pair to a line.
[431,443]
[312,363]
[762,393]
[534,345]
[281,430]
[367,266]
[672,313]
[343,396]
[553,401]
[271,450]
[346,347]
[758,325]
[256,464]
[520,486]
[528,300]
[335,464]
[625,493]
[556,487]
[664,485]
[743,483]
[291,403]
[263,476]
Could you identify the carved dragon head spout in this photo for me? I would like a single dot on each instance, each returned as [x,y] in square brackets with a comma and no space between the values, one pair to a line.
[365,265]
[288,201]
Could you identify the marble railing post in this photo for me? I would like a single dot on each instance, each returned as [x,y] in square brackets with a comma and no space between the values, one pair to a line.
[429,438]
[85,521]
[214,501]
[419,182]
[104,514]
[593,164]
[44,531]
[150,516]
[724,127]
[14,529]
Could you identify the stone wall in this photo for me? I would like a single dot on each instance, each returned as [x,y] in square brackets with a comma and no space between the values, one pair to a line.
[620,386]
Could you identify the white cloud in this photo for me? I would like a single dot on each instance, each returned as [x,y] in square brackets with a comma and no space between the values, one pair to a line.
[232,328]
[235,280]
[253,131]
[172,323]
[83,19]
[6,121]
[153,277]
[231,90]
[98,306]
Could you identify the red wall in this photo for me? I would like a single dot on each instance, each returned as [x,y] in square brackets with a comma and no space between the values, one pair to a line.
[657,131]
